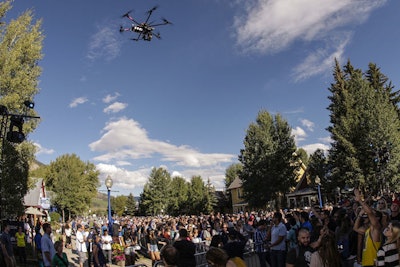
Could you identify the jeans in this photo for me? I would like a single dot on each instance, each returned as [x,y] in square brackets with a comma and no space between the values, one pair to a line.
[278,258]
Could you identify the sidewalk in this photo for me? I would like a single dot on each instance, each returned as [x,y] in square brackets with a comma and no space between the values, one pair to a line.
[73,257]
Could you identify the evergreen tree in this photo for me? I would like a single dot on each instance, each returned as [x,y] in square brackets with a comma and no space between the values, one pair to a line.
[179,197]
[118,204]
[364,126]
[268,150]
[156,192]
[130,205]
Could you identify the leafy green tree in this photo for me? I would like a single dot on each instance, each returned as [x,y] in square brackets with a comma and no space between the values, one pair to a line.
[232,172]
[73,182]
[364,123]
[118,204]
[156,192]
[20,51]
[14,181]
[266,157]
[303,155]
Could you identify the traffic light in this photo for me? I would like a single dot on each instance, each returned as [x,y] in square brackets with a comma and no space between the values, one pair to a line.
[16,136]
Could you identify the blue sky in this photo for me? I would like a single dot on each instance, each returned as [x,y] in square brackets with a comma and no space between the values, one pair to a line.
[186,101]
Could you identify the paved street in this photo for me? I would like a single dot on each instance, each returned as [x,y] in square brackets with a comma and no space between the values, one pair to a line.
[73,257]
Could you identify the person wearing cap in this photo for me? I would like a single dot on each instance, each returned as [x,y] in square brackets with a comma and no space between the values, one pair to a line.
[106,241]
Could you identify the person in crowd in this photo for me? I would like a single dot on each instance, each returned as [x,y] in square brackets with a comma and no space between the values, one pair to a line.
[186,249]
[68,234]
[60,259]
[371,232]
[169,256]
[88,236]
[47,245]
[388,254]
[327,254]
[217,257]
[293,226]
[381,205]
[38,245]
[395,210]
[81,244]
[305,221]
[260,241]
[235,245]
[21,245]
[106,241]
[206,235]
[152,246]
[344,239]
[7,247]
[300,256]
[277,246]
[99,260]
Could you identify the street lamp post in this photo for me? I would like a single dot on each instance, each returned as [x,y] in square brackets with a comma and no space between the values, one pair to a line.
[109,183]
[318,182]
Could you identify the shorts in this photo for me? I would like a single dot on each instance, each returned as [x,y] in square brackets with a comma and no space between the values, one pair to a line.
[82,256]
[154,248]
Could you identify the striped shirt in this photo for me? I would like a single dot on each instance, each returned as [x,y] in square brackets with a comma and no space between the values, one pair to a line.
[259,239]
[388,255]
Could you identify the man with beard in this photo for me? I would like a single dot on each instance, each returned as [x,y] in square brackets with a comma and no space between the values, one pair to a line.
[300,256]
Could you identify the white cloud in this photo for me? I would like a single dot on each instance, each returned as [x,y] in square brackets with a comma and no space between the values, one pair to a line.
[311,148]
[115,107]
[321,60]
[42,150]
[123,178]
[308,124]
[326,140]
[109,98]
[271,26]
[299,134]
[104,44]
[124,139]
[78,101]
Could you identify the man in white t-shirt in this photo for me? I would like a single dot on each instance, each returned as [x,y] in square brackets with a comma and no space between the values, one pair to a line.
[81,244]
[278,241]
[106,241]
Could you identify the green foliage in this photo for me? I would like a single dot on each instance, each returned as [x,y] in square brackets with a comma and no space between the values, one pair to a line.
[118,204]
[130,205]
[232,172]
[156,192]
[14,180]
[55,216]
[20,51]
[161,194]
[302,154]
[73,182]
[364,118]
[266,157]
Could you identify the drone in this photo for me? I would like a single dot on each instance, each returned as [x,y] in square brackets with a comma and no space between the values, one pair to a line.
[144,29]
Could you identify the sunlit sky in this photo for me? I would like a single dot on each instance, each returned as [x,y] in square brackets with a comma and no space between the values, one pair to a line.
[185,102]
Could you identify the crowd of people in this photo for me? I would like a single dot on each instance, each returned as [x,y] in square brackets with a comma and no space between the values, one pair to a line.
[358,232]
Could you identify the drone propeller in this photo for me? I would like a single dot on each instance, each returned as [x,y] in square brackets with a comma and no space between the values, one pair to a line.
[151,10]
[121,29]
[127,14]
[157,35]
[166,21]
